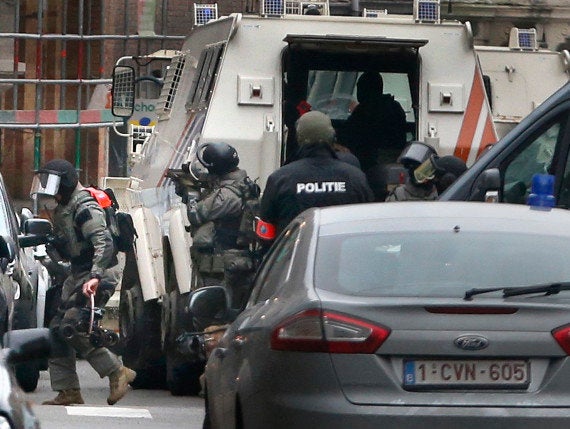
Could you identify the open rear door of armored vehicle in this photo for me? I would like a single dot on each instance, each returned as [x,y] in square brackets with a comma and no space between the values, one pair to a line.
[320,73]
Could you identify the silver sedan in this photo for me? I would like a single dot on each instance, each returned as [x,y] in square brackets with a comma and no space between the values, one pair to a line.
[400,315]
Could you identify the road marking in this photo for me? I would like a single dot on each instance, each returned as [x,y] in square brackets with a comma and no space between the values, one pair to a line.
[129,413]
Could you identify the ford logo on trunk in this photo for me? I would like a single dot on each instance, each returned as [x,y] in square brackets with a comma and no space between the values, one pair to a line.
[471,342]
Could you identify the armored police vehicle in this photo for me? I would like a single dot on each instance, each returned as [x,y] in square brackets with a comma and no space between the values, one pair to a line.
[244,79]
[539,144]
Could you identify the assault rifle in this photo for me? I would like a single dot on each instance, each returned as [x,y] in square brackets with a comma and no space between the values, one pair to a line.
[187,185]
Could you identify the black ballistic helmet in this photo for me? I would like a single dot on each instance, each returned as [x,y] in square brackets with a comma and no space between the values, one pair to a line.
[68,174]
[219,158]
[415,154]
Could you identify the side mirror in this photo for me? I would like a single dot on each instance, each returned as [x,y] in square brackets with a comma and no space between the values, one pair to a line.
[487,186]
[211,305]
[26,344]
[123,92]
[35,232]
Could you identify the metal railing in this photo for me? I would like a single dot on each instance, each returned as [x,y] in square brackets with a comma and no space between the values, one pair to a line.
[64,68]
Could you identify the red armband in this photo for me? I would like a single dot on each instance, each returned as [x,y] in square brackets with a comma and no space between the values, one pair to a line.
[265,230]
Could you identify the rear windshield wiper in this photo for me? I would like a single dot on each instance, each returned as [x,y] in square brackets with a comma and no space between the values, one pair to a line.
[546,289]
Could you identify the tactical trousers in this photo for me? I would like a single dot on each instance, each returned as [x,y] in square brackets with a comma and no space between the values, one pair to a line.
[62,369]
[238,276]
[232,268]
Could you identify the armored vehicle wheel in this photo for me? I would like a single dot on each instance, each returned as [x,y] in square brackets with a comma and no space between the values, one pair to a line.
[28,375]
[182,371]
[182,376]
[139,325]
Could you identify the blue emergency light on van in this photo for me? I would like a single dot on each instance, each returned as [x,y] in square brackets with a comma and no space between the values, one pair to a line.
[542,192]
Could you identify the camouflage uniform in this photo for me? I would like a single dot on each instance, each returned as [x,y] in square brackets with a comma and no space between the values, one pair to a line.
[215,219]
[81,229]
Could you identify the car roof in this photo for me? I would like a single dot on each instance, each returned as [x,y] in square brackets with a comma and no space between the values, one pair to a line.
[434,215]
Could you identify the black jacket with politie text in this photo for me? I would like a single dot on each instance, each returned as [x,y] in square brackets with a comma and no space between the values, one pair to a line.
[317,179]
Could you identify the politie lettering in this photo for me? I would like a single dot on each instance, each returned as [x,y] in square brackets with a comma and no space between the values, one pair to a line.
[318,187]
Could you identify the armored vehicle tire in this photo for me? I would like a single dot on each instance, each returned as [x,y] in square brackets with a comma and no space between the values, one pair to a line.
[139,326]
[182,372]
[183,377]
[28,375]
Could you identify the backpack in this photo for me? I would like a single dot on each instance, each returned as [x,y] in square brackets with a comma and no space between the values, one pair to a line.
[249,192]
[120,223]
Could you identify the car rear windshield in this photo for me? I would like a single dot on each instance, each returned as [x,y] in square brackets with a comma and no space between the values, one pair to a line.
[437,263]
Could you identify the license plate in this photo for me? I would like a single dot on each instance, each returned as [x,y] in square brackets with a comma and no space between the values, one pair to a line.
[482,374]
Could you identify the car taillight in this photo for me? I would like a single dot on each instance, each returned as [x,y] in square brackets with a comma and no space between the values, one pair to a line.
[562,336]
[329,332]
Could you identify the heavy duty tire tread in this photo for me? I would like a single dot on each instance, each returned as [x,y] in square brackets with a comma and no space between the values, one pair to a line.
[182,374]
[139,324]
[28,375]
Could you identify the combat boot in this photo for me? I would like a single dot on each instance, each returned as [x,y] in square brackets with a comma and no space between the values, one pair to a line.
[119,383]
[66,397]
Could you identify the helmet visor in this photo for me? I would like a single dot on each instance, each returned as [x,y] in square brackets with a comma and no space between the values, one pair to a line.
[45,183]
[415,153]
[200,156]
[426,171]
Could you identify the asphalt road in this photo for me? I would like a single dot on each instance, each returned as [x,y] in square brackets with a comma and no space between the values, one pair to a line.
[156,409]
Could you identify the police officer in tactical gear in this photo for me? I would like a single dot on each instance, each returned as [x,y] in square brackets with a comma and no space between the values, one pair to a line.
[441,171]
[81,236]
[216,217]
[316,179]
[418,186]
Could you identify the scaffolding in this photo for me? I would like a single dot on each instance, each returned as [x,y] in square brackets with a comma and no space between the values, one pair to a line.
[54,89]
